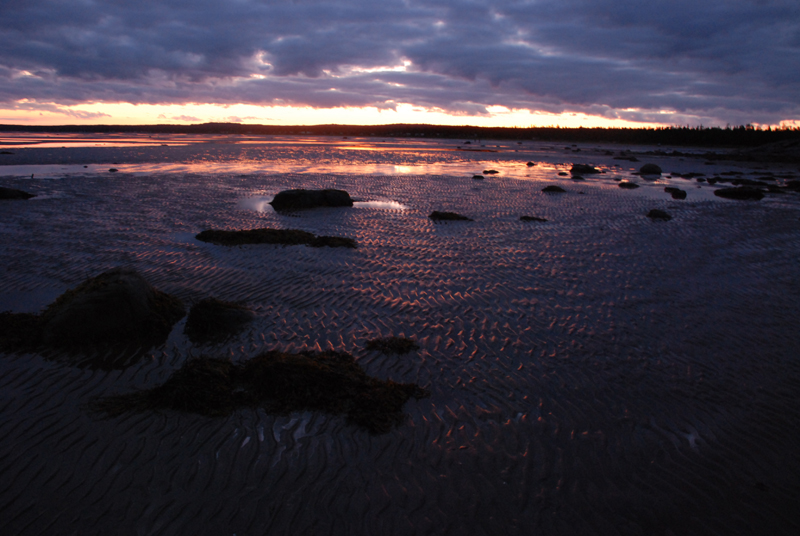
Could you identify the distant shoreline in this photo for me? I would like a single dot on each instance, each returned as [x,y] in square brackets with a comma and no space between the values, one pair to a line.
[730,137]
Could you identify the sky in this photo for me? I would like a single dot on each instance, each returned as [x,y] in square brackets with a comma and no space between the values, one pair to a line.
[459,62]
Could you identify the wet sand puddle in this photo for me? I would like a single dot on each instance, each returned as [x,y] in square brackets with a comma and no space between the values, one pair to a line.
[598,373]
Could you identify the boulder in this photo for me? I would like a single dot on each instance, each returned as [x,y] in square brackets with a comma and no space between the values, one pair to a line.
[118,307]
[300,199]
[650,169]
[583,169]
[552,189]
[12,193]
[743,193]
[478,177]
[212,320]
[677,193]
[657,214]
[530,164]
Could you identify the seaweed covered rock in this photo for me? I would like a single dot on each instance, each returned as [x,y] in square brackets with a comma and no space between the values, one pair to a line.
[650,169]
[279,382]
[13,193]
[117,307]
[656,214]
[552,189]
[447,216]
[300,199]
[212,320]
[744,193]
[583,169]
[286,237]
[392,345]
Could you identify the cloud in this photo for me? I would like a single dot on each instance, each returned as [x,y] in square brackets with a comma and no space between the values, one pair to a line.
[714,61]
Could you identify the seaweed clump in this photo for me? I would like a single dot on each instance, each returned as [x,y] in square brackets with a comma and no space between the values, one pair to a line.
[330,382]
[286,237]
[447,216]
[212,320]
[392,345]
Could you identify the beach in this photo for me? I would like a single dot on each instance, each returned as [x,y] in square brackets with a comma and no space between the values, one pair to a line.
[600,372]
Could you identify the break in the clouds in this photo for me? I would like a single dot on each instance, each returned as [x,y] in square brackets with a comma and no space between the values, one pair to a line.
[673,61]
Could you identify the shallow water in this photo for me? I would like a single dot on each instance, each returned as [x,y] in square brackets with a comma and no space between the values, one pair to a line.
[599,373]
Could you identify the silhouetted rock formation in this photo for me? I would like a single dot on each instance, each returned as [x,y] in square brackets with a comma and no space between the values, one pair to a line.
[12,193]
[650,169]
[583,169]
[304,199]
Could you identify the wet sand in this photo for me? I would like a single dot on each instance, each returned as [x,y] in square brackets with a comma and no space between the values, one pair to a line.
[598,373]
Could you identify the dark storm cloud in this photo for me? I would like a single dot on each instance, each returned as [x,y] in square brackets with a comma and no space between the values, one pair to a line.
[716,61]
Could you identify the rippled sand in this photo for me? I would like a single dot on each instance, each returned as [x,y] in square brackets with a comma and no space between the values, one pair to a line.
[600,373]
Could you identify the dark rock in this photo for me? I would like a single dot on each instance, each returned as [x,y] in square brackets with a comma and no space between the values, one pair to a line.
[300,199]
[117,307]
[744,193]
[12,193]
[530,164]
[677,193]
[113,170]
[552,189]
[392,345]
[19,331]
[286,237]
[478,177]
[531,218]
[628,185]
[6,152]
[656,214]
[447,216]
[213,320]
[490,172]
[562,173]
[279,382]
[578,178]
[584,169]
[650,169]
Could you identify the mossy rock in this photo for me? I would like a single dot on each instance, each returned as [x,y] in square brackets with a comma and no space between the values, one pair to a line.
[392,345]
[330,382]
[213,320]
[447,216]
[286,237]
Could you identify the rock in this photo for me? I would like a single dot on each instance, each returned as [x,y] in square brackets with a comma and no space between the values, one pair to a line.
[552,189]
[300,199]
[677,193]
[447,216]
[6,152]
[118,307]
[578,178]
[562,173]
[490,172]
[530,164]
[583,169]
[12,193]
[628,185]
[744,193]
[478,177]
[212,320]
[286,237]
[531,218]
[650,169]
[113,170]
[656,214]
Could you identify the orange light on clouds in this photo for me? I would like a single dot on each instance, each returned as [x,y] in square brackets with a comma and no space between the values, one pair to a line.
[148,114]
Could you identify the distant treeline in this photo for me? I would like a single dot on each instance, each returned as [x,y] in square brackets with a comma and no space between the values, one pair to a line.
[740,136]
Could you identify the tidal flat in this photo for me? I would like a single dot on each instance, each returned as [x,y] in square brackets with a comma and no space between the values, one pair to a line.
[592,371]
